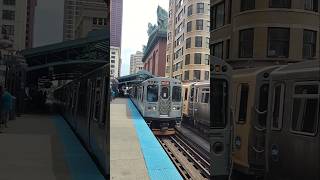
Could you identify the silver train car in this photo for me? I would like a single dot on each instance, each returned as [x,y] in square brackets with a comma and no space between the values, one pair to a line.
[84,104]
[293,131]
[201,106]
[159,101]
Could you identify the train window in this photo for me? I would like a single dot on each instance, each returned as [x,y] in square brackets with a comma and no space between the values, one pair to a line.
[196,96]
[176,94]
[263,104]
[97,106]
[218,112]
[191,94]
[305,110]
[142,95]
[152,93]
[244,93]
[277,109]
[186,94]
[164,92]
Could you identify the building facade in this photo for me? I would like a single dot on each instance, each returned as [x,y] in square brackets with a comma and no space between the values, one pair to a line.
[77,12]
[116,22]
[13,21]
[187,54]
[31,8]
[154,54]
[115,61]
[136,63]
[251,33]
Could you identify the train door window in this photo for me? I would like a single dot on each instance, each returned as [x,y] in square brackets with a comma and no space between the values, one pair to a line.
[97,105]
[152,93]
[186,94]
[244,94]
[263,104]
[205,95]
[176,94]
[165,92]
[142,94]
[277,107]
[305,108]
[191,94]
[219,103]
[196,95]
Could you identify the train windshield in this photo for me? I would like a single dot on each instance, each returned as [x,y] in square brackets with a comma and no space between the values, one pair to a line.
[165,92]
[152,93]
[176,94]
[218,103]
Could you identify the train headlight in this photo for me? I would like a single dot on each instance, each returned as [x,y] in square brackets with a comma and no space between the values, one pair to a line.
[217,147]
[154,108]
[174,108]
[237,142]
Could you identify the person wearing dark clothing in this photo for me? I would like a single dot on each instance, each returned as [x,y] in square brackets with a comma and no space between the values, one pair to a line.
[6,105]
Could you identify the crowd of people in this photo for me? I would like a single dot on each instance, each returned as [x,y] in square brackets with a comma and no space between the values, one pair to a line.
[5,107]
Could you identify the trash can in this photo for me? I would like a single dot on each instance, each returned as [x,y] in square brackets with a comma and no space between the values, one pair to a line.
[12,113]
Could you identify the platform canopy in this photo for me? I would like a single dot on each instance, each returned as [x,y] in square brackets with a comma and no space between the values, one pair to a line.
[69,59]
[135,78]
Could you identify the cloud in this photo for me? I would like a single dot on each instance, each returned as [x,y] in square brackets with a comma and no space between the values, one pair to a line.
[136,16]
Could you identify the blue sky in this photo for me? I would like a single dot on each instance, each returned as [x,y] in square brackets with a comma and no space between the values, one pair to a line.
[136,16]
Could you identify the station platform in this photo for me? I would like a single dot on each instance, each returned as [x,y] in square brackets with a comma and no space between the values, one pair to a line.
[43,147]
[135,153]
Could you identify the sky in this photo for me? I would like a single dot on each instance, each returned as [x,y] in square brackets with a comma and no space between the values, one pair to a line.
[136,16]
[48,25]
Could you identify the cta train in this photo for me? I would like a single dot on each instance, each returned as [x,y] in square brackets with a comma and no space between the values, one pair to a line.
[83,103]
[159,101]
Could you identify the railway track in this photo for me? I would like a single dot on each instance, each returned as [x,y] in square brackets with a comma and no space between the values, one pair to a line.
[188,161]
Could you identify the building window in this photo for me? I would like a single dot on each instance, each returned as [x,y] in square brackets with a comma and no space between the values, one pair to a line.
[199,24]
[246,43]
[113,61]
[8,29]
[217,49]
[311,5]
[189,13]
[8,15]
[187,59]
[186,75]
[206,75]
[309,43]
[9,2]
[280,3]
[189,26]
[217,17]
[206,59]
[196,75]
[247,5]
[278,42]
[197,58]
[113,52]
[200,7]
[305,110]
[198,41]
[228,49]
[188,43]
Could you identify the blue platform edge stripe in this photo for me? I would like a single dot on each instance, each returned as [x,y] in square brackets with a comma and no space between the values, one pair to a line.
[79,162]
[158,163]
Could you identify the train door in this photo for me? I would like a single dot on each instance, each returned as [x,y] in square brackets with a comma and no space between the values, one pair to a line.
[75,105]
[201,107]
[220,136]
[164,101]
[97,125]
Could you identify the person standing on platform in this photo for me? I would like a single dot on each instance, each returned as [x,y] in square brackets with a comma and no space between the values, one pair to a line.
[6,105]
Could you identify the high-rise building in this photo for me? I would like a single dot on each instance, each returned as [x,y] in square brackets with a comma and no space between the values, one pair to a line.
[136,63]
[116,22]
[115,62]
[82,16]
[31,7]
[187,54]
[13,22]
[253,33]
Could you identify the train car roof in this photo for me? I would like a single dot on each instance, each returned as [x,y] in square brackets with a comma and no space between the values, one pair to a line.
[162,78]
[298,69]
[202,83]
[250,71]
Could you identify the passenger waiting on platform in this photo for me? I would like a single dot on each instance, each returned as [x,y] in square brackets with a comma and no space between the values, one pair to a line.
[6,105]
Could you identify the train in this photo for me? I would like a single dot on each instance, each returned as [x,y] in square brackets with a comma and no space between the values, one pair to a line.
[273,115]
[84,105]
[159,101]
